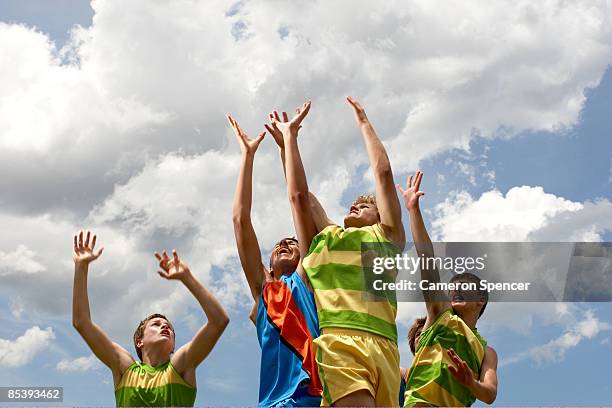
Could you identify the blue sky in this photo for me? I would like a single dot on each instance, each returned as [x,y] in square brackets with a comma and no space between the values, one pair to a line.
[104,140]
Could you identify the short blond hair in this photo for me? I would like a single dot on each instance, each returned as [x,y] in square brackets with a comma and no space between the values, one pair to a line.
[367,198]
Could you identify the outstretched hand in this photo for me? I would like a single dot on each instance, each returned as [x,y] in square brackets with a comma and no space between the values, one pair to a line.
[291,127]
[172,268]
[358,111]
[412,193]
[84,251]
[461,371]
[274,131]
[247,145]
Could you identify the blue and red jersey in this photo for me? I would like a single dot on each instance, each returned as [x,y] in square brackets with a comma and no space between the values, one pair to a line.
[286,325]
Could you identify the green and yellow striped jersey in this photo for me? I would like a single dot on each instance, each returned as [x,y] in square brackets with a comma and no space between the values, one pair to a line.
[144,385]
[342,284]
[429,380]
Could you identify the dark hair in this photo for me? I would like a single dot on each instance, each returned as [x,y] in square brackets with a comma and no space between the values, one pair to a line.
[471,278]
[418,324]
[140,330]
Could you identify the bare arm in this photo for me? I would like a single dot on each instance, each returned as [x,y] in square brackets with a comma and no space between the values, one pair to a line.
[319,215]
[246,240]
[253,313]
[436,302]
[483,388]
[386,197]
[189,356]
[297,185]
[111,354]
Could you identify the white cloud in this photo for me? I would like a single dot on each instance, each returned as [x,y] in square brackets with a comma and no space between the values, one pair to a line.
[87,129]
[19,261]
[19,352]
[523,214]
[152,77]
[79,364]
[588,327]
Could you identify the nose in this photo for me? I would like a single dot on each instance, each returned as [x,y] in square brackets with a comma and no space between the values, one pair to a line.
[353,208]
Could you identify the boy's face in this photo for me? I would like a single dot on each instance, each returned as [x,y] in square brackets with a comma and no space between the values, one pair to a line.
[466,302]
[285,256]
[361,215]
[158,331]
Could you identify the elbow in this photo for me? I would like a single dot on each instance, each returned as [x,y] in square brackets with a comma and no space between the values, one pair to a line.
[490,398]
[299,198]
[240,220]
[382,170]
[79,324]
[221,322]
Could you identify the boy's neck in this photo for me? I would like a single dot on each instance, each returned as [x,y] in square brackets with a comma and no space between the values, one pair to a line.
[155,359]
[470,319]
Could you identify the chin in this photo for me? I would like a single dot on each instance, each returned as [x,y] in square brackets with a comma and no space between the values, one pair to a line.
[286,263]
[458,306]
[353,221]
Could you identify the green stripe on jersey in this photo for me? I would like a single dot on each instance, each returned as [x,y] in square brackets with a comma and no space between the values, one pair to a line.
[429,379]
[144,385]
[334,266]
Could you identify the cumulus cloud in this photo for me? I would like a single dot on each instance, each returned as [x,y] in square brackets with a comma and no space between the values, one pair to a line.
[19,261]
[555,350]
[123,130]
[78,364]
[19,352]
[523,214]
[152,77]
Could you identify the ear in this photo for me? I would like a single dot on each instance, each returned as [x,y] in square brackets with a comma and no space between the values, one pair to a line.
[139,344]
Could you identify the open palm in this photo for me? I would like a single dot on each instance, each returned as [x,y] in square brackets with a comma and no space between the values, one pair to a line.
[292,126]
[247,145]
[84,251]
[412,193]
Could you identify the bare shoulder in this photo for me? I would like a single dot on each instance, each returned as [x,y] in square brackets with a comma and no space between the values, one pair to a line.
[491,355]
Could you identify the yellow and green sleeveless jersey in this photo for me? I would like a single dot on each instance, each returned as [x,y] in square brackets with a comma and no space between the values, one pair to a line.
[429,380]
[342,284]
[144,385]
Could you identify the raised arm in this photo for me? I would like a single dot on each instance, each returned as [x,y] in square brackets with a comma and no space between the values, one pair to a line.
[189,356]
[246,240]
[297,187]
[319,215]
[435,301]
[111,354]
[386,198]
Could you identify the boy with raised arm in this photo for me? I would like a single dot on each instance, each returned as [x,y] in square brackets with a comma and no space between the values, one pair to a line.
[357,351]
[453,365]
[284,312]
[162,377]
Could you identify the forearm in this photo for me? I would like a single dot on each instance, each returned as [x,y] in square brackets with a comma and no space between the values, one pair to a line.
[215,313]
[420,237]
[297,189]
[424,249]
[377,154]
[294,168]
[484,391]
[243,197]
[80,300]
[281,151]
